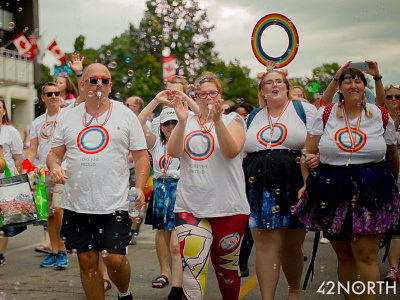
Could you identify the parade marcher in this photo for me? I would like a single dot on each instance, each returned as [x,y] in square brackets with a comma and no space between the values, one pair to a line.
[211,211]
[274,140]
[96,138]
[342,198]
[67,89]
[42,129]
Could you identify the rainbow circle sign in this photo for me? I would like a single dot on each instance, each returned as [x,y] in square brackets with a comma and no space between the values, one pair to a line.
[288,26]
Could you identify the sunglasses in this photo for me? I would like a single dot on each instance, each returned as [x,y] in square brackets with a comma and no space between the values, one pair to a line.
[167,123]
[49,94]
[390,97]
[95,80]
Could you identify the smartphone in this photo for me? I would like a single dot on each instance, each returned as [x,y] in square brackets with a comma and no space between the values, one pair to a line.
[361,65]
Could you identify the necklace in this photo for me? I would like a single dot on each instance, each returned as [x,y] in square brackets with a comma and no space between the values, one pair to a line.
[53,124]
[272,125]
[167,160]
[203,125]
[352,139]
[96,115]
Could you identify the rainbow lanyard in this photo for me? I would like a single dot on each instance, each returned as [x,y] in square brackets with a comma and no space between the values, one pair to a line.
[204,126]
[52,124]
[167,159]
[110,106]
[352,139]
[272,125]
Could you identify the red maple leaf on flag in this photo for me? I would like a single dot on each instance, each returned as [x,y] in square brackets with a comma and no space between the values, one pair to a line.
[57,51]
[22,44]
[169,68]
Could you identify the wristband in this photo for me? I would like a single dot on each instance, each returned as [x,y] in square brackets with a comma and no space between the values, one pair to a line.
[334,78]
[377,78]
[79,75]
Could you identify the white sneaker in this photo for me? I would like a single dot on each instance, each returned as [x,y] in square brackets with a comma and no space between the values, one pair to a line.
[324,241]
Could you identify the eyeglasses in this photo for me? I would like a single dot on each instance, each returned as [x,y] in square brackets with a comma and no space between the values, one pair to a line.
[95,80]
[167,123]
[203,95]
[397,86]
[49,94]
[390,97]
[298,95]
[277,82]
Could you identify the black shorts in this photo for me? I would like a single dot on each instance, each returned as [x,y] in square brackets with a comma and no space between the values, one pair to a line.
[83,232]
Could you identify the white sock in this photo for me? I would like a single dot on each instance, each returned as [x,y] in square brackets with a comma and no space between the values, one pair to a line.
[127,293]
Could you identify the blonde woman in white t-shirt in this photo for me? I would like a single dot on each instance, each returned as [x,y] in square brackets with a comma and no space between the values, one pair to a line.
[211,210]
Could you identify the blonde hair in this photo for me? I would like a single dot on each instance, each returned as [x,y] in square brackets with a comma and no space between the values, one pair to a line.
[261,98]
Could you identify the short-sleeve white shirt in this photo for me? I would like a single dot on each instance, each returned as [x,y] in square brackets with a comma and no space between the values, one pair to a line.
[161,159]
[289,130]
[371,137]
[211,185]
[97,158]
[11,141]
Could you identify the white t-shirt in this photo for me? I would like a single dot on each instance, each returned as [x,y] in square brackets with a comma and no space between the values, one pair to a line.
[289,132]
[68,102]
[43,132]
[211,185]
[12,143]
[371,139]
[97,158]
[160,158]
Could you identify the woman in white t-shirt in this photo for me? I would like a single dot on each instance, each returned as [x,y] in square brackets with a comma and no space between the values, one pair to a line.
[211,211]
[352,196]
[274,139]
[12,150]
[165,179]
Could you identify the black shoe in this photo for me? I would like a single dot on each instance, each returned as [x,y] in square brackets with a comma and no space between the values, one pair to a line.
[129,297]
[176,293]
[244,271]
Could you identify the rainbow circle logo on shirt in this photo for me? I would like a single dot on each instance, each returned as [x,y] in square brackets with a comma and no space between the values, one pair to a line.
[265,131]
[47,127]
[361,139]
[93,139]
[199,137]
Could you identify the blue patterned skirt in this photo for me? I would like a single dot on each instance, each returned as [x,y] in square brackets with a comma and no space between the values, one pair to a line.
[273,179]
[164,196]
[357,199]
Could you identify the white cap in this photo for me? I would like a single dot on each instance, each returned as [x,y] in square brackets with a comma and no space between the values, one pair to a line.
[168,114]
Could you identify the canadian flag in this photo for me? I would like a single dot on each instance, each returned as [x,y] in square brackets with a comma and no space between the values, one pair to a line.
[53,48]
[34,48]
[21,43]
[169,67]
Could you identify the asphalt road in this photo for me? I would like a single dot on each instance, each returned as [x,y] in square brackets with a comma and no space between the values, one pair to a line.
[23,279]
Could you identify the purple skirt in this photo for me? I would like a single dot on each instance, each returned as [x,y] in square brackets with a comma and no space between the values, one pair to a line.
[357,199]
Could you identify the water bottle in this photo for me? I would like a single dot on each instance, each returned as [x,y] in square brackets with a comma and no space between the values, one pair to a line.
[132,209]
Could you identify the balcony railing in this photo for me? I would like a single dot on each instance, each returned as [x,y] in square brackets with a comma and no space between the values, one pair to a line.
[15,68]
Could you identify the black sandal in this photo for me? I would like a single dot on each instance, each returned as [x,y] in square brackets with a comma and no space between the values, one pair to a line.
[160,281]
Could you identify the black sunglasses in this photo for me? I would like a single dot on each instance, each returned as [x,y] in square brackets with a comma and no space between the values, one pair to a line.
[390,97]
[95,80]
[167,123]
[49,94]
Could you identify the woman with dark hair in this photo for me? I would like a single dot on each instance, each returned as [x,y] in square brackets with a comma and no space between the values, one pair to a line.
[12,147]
[357,144]
[165,179]
[243,109]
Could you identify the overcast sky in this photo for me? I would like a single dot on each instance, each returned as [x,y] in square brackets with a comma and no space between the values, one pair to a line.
[329,30]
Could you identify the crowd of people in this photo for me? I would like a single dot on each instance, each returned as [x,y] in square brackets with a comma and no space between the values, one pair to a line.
[224,174]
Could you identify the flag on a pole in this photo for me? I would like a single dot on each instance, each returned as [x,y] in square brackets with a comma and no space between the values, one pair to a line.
[169,67]
[53,48]
[34,48]
[21,43]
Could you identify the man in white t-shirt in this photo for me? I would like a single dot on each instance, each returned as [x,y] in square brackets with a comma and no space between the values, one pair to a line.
[42,129]
[96,138]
